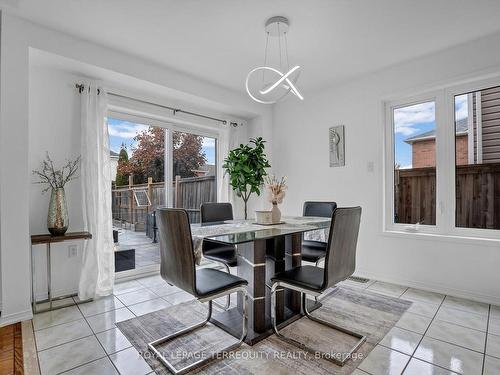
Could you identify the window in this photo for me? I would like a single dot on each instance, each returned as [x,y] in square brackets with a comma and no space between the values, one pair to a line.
[193,172]
[477,159]
[414,139]
[155,164]
[443,161]
[137,154]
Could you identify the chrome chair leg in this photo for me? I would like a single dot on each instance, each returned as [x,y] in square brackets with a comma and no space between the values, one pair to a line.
[228,300]
[317,265]
[152,345]
[328,356]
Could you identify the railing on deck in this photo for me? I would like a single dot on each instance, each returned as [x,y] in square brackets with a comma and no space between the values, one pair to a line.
[477,195]
[188,193]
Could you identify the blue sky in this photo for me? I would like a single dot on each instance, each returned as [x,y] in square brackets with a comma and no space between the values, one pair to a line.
[417,119]
[124,132]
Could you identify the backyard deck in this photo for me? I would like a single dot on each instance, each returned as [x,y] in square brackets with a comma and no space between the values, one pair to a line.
[147,253]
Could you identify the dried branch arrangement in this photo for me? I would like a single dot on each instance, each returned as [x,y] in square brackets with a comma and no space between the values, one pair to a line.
[56,178]
[276,188]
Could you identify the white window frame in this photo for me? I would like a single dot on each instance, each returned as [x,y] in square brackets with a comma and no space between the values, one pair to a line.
[169,126]
[450,94]
[390,106]
[444,99]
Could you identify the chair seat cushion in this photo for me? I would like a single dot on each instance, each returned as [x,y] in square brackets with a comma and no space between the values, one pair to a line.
[313,250]
[220,252]
[210,281]
[307,277]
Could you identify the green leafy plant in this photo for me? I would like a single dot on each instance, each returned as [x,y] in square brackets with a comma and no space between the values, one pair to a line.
[246,167]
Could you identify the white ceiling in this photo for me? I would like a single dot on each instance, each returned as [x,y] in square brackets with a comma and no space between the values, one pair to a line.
[221,40]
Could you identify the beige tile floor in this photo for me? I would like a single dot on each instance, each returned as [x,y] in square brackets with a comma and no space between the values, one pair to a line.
[437,335]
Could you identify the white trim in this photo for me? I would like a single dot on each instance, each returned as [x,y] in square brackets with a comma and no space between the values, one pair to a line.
[389,163]
[470,129]
[134,274]
[17,317]
[479,128]
[431,287]
[445,163]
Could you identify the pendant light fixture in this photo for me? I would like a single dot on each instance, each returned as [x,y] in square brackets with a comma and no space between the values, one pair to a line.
[273,84]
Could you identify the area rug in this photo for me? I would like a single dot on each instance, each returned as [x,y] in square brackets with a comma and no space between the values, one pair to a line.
[365,312]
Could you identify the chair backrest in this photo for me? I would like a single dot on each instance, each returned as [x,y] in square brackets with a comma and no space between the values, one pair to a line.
[216,212]
[340,261]
[176,249]
[321,209]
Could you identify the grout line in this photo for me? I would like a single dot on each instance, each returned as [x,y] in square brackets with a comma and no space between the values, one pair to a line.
[433,338]
[411,357]
[425,332]
[83,364]
[462,309]
[102,346]
[66,342]
[460,325]
[36,346]
[486,339]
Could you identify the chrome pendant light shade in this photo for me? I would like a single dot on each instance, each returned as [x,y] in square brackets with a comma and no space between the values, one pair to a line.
[268,85]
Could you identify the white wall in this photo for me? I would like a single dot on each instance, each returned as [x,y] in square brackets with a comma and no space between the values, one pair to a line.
[465,268]
[54,126]
[22,210]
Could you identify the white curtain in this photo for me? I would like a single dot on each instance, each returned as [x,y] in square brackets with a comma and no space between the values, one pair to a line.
[97,274]
[226,142]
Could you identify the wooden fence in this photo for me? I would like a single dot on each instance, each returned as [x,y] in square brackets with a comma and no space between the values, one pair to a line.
[188,193]
[477,196]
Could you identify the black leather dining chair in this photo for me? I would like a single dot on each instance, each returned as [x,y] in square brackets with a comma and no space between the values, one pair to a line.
[216,213]
[340,263]
[178,268]
[313,251]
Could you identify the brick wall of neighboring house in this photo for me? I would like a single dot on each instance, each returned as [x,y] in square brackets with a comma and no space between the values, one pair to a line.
[424,152]
[461,150]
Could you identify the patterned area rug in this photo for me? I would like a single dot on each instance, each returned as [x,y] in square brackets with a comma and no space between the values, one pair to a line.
[368,313]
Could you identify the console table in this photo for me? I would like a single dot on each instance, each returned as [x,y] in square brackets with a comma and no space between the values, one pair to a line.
[48,239]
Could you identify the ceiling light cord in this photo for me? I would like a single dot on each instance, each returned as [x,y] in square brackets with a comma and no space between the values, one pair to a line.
[279,44]
[286,50]
[265,55]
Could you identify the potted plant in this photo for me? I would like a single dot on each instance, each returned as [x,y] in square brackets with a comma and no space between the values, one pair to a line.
[246,167]
[55,180]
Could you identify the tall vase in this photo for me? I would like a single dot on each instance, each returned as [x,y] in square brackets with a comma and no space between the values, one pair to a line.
[275,213]
[57,218]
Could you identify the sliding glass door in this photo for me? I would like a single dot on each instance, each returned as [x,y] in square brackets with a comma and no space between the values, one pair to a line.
[193,172]
[155,164]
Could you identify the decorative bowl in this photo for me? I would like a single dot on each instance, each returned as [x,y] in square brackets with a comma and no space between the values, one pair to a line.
[264,217]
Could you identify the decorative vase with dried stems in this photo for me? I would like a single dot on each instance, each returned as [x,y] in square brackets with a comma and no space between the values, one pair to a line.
[276,192]
[55,180]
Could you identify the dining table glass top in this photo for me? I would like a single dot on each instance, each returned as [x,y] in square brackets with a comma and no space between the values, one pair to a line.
[240,231]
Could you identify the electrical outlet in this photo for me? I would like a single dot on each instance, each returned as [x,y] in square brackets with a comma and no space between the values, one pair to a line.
[72,251]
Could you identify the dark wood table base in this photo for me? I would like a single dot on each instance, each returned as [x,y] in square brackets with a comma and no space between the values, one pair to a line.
[258,261]
[230,321]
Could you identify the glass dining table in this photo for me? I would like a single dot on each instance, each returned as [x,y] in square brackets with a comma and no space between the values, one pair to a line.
[262,251]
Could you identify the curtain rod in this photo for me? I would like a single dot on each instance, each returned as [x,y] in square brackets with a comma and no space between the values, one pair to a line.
[81,86]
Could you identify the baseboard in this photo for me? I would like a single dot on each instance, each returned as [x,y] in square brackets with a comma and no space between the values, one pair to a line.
[56,294]
[443,289]
[5,320]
